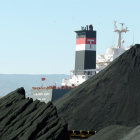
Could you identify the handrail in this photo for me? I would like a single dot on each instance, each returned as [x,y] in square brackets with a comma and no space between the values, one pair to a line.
[81,134]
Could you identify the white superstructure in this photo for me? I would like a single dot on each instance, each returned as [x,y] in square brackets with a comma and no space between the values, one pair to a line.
[75,80]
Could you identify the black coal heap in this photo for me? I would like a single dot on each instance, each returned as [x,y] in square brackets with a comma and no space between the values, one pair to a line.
[111,97]
[116,132]
[23,119]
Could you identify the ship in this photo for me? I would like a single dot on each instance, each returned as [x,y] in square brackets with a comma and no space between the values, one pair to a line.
[86,64]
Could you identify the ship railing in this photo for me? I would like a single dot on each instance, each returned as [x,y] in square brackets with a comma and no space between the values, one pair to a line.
[54,87]
[80,134]
[49,87]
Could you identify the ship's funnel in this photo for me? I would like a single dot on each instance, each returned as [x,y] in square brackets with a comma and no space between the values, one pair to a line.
[85,50]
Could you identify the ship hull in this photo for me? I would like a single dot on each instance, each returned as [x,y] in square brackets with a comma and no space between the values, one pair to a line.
[46,95]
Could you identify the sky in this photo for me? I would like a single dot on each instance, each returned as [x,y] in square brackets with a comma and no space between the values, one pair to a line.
[37,36]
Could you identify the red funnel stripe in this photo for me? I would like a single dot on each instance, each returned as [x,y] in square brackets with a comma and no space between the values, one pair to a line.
[85,41]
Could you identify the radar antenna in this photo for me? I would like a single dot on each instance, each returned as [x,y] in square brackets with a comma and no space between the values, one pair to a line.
[122,25]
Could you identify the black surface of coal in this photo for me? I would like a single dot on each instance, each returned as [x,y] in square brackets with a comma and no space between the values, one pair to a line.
[113,132]
[23,119]
[111,97]
[117,132]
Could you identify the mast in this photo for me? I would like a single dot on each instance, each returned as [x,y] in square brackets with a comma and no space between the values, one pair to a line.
[119,33]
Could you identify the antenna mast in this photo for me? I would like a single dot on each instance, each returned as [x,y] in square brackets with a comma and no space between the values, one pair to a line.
[119,33]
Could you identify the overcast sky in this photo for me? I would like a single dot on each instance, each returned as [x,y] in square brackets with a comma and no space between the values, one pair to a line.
[37,36]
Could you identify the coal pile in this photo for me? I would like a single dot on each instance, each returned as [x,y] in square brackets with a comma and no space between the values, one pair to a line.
[23,119]
[111,97]
[117,132]
[113,132]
